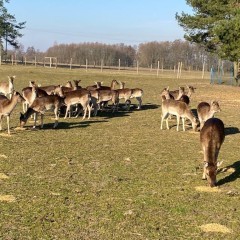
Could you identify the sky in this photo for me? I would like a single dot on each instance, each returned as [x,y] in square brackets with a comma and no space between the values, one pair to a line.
[131,22]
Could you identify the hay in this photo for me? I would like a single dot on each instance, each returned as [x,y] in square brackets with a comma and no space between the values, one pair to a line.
[3,176]
[3,156]
[5,135]
[207,189]
[215,227]
[7,198]
[19,129]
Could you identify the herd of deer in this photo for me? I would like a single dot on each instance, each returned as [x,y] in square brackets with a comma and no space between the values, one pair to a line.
[37,100]
[211,129]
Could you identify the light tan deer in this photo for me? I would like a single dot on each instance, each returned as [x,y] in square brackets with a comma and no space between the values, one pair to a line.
[7,87]
[135,93]
[41,105]
[206,111]
[104,96]
[80,96]
[211,138]
[7,106]
[180,110]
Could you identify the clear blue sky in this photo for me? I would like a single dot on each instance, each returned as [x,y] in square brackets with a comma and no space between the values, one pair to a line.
[107,21]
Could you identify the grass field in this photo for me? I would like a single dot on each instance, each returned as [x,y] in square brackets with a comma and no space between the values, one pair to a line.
[117,176]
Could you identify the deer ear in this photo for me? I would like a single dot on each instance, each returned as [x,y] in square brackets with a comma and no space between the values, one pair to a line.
[167,88]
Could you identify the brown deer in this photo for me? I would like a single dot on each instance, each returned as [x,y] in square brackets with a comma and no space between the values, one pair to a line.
[7,106]
[135,93]
[206,111]
[180,109]
[82,97]
[211,138]
[7,87]
[105,96]
[40,105]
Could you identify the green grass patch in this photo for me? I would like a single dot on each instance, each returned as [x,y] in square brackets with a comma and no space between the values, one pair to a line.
[116,176]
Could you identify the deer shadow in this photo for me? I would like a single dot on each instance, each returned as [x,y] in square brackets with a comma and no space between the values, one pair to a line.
[233,176]
[231,130]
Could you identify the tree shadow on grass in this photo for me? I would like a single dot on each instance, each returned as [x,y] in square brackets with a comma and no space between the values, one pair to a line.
[233,176]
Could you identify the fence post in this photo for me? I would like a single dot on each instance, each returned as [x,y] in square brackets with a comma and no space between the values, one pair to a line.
[119,64]
[158,69]
[86,65]
[101,65]
[71,64]
[137,67]
[12,59]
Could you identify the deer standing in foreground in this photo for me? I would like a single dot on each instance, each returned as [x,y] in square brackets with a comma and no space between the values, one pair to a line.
[7,87]
[40,105]
[211,138]
[180,110]
[7,106]
[206,111]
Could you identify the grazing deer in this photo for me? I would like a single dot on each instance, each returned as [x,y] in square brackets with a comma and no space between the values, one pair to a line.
[206,111]
[7,87]
[40,105]
[180,109]
[211,137]
[7,106]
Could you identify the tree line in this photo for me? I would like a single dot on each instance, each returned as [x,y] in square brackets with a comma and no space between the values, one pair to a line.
[164,54]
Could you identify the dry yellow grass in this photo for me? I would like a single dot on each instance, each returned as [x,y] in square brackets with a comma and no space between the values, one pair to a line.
[215,227]
[7,198]
[3,176]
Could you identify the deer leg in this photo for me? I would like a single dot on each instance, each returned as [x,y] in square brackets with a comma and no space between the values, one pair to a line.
[8,123]
[139,102]
[35,119]
[89,110]
[183,123]
[1,117]
[178,120]
[67,109]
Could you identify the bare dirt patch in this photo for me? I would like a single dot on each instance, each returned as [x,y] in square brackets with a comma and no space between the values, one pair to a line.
[208,189]
[215,227]
[7,198]
[3,176]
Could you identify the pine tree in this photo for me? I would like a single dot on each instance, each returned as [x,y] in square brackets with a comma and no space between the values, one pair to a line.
[9,28]
[215,24]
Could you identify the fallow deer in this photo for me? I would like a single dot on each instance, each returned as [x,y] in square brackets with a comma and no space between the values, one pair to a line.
[7,106]
[7,87]
[108,95]
[211,138]
[206,111]
[176,94]
[40,105]
[136,93]
[180,109]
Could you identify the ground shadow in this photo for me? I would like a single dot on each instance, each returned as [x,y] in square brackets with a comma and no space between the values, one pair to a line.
[231,130]
[233,176]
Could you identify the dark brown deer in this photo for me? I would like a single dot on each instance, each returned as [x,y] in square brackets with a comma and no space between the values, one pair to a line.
[211,137]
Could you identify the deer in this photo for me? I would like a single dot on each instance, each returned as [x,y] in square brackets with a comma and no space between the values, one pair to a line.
[7,106]
[180,109]
[30,93]
[176,94]
[41,105]
[76,84]
[100,86]
[81,96]
[206,111]
[7,87]
[136,93]
[108,95]
[211,138]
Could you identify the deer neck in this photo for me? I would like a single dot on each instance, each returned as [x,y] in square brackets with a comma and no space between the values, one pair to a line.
[11,104]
